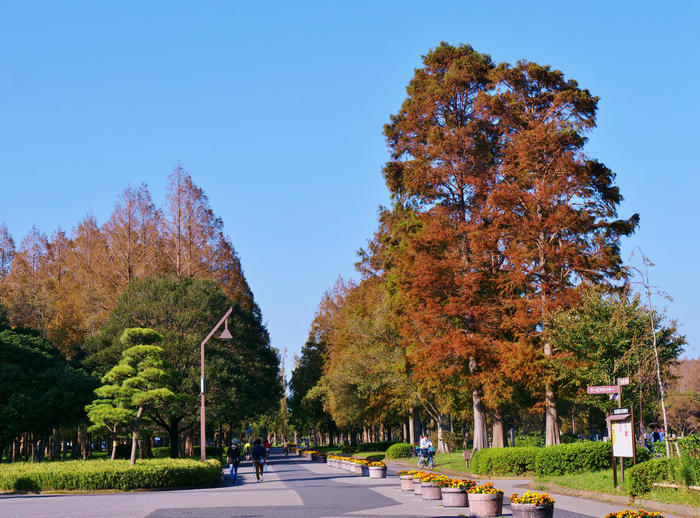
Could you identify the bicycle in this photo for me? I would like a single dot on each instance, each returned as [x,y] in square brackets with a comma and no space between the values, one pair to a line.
[426,458]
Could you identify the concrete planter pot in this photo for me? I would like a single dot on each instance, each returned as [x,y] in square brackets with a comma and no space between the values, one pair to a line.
[356,468]
[416,487]
[485,505]
[454,497]
[430,491]
[365,470]
[532,511]
[347,466]
[406,483]
[377,472]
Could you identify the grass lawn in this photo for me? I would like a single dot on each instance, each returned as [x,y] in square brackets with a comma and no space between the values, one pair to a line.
[327,449]
[602,482]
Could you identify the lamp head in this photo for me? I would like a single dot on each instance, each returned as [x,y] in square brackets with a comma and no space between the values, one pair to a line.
[226,334]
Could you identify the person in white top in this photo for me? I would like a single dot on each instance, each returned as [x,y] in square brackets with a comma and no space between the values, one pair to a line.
[422,441]
[428,443]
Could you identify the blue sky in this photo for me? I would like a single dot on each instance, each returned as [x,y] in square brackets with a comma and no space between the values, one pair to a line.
[276,109]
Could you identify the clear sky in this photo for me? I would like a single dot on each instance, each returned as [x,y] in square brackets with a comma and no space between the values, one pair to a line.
[277,108]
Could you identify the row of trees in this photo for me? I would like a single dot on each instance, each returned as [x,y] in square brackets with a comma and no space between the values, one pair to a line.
[494,285]
[66,285]
[121,308]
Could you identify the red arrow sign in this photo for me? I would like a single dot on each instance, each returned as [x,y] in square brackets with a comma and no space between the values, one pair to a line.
[603,389]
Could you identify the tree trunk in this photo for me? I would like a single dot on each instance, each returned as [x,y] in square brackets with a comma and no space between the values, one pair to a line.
[551,417]
[498,432]
[481,435]
[189,445]
[114,447]
[413,425]
[135,436]
[173,439]
[404,432]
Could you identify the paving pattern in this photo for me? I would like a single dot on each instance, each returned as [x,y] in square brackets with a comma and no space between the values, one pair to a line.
[292,487]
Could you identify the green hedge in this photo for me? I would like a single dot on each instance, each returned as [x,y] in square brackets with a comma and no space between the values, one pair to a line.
[107,474]
[573,458]
[399,450]
[640,478]
[504,461]
[553,460]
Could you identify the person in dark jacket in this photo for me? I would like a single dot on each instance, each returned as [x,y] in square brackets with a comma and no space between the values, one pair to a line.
[258,454]
[233,457]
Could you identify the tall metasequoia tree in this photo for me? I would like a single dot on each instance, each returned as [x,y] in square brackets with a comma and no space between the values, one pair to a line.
[88,262]
[191,228]
[65,328]
[443,156]
[132,237]
[553,210]
[7,251]
[27,298]
[227,272]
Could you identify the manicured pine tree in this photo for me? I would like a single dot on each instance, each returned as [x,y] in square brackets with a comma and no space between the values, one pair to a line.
[136,384]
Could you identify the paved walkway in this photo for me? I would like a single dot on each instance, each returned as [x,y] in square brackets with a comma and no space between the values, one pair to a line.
[293,487]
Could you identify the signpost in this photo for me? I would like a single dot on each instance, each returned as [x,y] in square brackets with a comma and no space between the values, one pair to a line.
[603,389]
[620,423]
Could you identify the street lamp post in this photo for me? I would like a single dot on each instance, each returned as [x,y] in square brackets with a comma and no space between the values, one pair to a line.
[225,335]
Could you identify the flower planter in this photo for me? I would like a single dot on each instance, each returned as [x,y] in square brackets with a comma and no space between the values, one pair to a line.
[454,497]
[416,486]
[485,505]
[430,491]
[532,511]
[377,472]
[356,468]
[365,470]
[406,483]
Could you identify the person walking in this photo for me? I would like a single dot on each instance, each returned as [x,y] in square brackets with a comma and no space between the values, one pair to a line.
[246,450]
[233,457]
[268,447]
[258,454]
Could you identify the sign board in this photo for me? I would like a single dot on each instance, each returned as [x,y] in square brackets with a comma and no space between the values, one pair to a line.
[603,389]
[622,438]
[623,381]
[617,411]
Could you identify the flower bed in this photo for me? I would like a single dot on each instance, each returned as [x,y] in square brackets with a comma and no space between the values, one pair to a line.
[485,500]
[639,513]
[532,505]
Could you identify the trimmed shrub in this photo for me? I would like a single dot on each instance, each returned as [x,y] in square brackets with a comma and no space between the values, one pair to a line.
[399,450]
[640,478]
[573,458]
[107,474]
[504,461]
